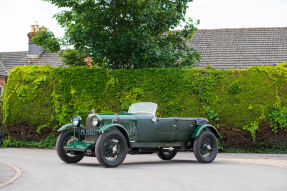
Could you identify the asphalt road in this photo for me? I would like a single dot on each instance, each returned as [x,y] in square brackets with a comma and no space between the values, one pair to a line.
[43,170]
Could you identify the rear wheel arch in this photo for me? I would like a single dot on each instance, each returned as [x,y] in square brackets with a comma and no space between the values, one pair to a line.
[204,127]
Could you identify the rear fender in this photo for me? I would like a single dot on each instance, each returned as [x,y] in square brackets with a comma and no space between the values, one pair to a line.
[200,128]
[119,127]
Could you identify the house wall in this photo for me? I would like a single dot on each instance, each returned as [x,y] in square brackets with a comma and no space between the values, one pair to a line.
[2,84]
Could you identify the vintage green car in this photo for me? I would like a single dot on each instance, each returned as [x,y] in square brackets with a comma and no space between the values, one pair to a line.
[111,136]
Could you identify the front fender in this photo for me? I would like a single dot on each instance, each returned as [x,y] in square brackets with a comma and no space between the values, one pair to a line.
[201,127]
[119,127]
[67,126]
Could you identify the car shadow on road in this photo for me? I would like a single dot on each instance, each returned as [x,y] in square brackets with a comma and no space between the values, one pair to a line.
[170,162]
[160,162]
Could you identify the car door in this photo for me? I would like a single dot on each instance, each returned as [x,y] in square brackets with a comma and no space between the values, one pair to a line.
[166,129]
[184,128]
[149,130]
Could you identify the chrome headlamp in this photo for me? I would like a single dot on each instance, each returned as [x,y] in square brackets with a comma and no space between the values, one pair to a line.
[76,120]
[96,120]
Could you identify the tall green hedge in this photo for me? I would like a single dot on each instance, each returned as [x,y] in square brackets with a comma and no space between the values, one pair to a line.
[247,106]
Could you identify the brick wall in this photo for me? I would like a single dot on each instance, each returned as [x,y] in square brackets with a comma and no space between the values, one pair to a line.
[2,83]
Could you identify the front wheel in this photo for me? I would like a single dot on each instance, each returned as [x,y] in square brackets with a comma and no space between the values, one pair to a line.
[166,155]
[111,148]
[205,147]
[64,139]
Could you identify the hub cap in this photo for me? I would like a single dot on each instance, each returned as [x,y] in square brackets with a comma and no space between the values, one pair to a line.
[69,140]
[207,147]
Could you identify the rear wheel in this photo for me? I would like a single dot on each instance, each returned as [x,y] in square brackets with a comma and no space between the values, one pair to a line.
[167,155]
[205,147]
[64,139]
[111,148]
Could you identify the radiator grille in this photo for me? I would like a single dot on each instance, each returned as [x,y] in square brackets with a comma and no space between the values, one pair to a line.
[91,138]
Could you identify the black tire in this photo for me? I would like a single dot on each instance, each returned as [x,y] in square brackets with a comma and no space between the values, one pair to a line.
[62,141]
[205,147]
[106,143]
[166,155]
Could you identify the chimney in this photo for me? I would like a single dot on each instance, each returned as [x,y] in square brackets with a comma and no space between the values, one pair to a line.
[33,49]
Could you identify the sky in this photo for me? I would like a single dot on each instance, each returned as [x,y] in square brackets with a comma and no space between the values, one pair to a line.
[17,16]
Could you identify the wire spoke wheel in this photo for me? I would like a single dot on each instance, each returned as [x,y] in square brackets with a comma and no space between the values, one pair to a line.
[67,141]
[167,155]
[205,147]
[113,149]
[66,138]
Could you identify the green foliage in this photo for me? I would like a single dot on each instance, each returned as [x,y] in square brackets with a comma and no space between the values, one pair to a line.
[41,127]
[277,117]
[255,150]
[209,67]
[130,98]
[39,81]
[73,57]
[28,97]
[235,88]
[211,114]
[20,91]
[78,90]
[203,84]
[252,127]
[1,111]
[47,40]
[126,34]
[49,142]
[235,150]
[172,108]
[249,107]
[220,146]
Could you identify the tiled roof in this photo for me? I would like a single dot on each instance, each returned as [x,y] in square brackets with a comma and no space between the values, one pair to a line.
[3,70]
[10,60]
[240,48]
[222,48]
[47,58]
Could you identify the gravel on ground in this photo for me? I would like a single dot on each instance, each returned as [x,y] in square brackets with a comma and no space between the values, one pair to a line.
[282,163]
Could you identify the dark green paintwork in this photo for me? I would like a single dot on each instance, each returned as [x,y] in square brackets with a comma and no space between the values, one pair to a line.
[119,127]
[156,144]
[78,146]
[127,120]
[141,131]
[165,129]
[67,126]
[201,127]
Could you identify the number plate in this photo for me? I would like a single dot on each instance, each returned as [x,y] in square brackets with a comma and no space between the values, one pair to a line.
[87,131]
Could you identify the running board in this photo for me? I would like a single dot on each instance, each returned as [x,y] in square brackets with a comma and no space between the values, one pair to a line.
[78,146]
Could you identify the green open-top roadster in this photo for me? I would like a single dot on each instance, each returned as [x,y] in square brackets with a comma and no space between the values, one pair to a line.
[110,136]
